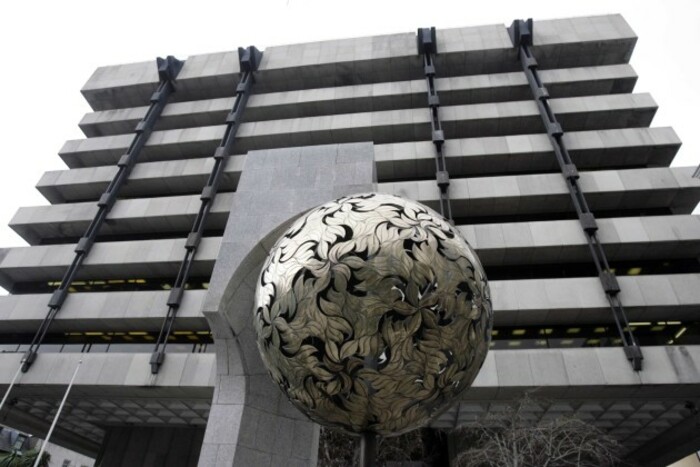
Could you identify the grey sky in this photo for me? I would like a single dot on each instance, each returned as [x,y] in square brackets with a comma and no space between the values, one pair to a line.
[49,49]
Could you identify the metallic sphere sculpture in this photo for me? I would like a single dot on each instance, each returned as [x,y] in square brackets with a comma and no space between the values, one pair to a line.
[372,314]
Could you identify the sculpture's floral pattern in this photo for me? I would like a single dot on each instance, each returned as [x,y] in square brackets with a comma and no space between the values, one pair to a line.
[372,314]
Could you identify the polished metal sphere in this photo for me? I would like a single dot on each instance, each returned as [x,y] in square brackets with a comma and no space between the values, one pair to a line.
[372,314]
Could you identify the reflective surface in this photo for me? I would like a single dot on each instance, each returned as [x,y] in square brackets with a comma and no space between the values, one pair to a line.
[372,314]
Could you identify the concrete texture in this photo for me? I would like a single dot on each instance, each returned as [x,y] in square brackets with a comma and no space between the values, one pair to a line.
[275,187]
[107,260]
[519,302]
[577,42]
[460,121]
[466,157]
[106,311]
[202,77]
[458,90]
[148,179]
[129,216]
[541,193]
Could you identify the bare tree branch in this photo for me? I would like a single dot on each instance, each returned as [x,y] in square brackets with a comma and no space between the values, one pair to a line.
[510,438]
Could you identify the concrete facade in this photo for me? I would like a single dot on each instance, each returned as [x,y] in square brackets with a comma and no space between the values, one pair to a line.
[339,117]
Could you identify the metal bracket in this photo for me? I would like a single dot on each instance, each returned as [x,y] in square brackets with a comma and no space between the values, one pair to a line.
[175,297]
[521,32]
[634,355]
[84,245]
[58,297]
[107,200]
[168,68]
[193,239]
[570,171]
[588,222]
[609,282]
[156,361]
[443,179]
[124,160]
[249,58]
[426,40]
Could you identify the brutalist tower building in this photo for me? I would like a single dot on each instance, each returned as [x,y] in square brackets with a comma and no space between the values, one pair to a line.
[530,138]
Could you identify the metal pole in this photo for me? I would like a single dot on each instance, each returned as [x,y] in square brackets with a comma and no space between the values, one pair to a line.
[12,383]
[58,414]
[368,450]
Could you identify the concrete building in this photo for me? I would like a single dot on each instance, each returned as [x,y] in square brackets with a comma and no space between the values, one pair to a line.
[338,117]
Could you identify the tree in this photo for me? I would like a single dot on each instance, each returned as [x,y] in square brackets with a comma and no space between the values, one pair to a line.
[511,439]
[24,459]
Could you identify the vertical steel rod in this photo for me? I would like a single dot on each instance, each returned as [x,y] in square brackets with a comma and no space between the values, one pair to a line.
[368,450]
[521,34]
[58,414]
[167,71]
[427,47]
[249,59]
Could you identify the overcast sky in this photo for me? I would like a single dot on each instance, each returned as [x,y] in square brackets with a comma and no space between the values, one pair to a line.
[50,49]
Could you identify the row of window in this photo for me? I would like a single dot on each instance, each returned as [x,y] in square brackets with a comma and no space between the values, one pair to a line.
[181,341]
[110,285]
[524,337]
[646,334]
[506,272]
[114,348]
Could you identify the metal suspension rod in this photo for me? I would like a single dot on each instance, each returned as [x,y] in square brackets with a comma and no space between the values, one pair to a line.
[427,47]
[168,69]
[58,414]
[249,59]
[521,33]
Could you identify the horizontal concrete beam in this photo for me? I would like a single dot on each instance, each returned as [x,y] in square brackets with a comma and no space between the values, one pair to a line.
[202,77]
[391,126]
[102,311]
[107,374]
[563,241]
[474,50]
[547,193]
[176,177]
[166,214]
[470,157]
[669,371]
[497,244]
[467,157]
[515,303]
[581,300]
[454,90]
[577,42]
[460,90]
[107,260]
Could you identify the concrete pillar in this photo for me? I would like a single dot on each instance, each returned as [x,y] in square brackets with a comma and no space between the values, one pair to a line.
[251,423]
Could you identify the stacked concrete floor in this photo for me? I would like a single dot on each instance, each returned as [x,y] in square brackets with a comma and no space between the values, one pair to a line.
[338,117]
